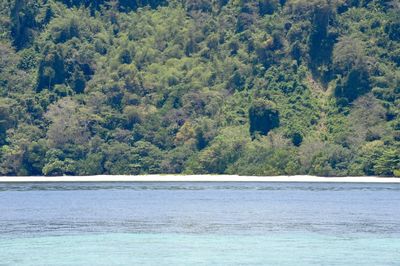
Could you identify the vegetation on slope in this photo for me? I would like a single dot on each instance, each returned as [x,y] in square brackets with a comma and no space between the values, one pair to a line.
[257,87]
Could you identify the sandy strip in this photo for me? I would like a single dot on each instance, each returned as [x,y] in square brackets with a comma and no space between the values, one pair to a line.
[197,178]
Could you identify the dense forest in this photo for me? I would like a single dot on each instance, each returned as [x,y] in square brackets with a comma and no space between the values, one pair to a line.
[250,87]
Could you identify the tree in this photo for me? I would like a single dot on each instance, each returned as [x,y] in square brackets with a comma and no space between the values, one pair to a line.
[23,22]
[148,157]
[354,84]
[69,124]
[348,54]
[321,41]
[263,117]
[367,120]
[119,158]
[51,68]
[388,163]
[25,151]
[11,161]
[13,79]
[272,155]
[392,28]
[353,66]
[268,7]
[6,118]
[223,151]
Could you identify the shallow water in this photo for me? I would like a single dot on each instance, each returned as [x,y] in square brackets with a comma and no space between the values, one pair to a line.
[199,224]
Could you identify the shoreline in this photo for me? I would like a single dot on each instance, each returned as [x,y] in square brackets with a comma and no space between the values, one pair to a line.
[197,178]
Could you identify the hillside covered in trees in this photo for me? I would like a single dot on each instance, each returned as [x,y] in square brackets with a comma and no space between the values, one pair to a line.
[255,87]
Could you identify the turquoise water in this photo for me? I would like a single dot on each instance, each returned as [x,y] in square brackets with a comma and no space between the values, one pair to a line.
[199,224]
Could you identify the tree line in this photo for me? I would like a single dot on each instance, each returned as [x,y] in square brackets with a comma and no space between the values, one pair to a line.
[251,87]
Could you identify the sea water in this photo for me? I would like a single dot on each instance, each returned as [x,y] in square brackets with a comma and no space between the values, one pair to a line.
[199,224]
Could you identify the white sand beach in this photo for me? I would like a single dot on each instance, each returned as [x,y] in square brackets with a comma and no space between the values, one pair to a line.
[197,178]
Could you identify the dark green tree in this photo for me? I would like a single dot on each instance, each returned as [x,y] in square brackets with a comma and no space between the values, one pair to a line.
[263,117]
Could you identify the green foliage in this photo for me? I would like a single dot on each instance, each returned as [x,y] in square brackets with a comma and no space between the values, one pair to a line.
[156,86]
[263,117]
[6,119]
[223,151]
[352,65]
[388,163]
[392,28]
[272,155]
